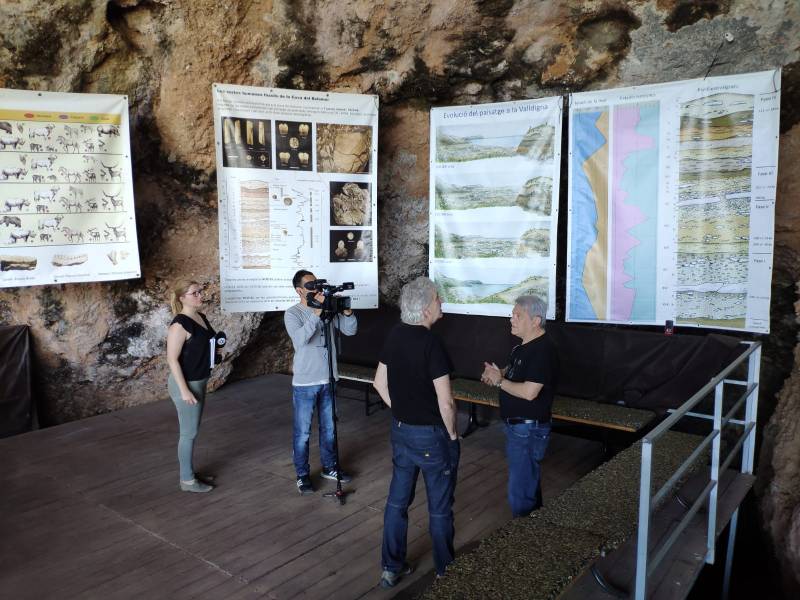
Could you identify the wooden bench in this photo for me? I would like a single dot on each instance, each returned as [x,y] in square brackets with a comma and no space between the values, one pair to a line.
[573,410]
[360,377]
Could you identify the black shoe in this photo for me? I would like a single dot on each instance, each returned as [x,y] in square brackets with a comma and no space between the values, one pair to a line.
[206,478]
[389,579]
[331,474]
[304,485]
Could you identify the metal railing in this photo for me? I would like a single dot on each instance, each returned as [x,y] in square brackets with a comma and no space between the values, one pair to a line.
[647,563]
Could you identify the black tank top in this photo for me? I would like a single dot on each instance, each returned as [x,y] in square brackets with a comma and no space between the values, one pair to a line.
[195,357]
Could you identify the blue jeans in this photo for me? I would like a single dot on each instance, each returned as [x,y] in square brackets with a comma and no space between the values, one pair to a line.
[526,444]
[189,416]
[427,448]
[305,398]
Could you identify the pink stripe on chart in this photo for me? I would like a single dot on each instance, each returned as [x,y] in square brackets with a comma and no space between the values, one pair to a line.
[624,216]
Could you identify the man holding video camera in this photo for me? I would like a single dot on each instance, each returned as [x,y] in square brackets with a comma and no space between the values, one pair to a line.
[311,387]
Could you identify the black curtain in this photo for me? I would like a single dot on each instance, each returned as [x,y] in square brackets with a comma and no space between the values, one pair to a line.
[618,365]
[16,396]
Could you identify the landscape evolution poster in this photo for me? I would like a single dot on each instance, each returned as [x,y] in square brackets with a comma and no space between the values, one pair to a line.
[494,204]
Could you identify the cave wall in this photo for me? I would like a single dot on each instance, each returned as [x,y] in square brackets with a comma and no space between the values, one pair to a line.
[100,347]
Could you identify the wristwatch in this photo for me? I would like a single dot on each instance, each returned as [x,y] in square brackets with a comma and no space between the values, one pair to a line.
[499,383]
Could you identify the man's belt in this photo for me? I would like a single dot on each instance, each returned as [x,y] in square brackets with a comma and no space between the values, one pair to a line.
[521,421]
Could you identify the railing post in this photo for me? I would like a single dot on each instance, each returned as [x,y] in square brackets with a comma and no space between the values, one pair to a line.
[719,392]
[751,410]
[644,520]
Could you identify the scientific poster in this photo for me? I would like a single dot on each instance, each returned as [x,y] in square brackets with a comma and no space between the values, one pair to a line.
[66,191]
[297,181]
[494,204]
[671,203]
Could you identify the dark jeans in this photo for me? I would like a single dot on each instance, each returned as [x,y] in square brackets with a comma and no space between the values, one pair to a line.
[427,448]
[526,444]
[305,398]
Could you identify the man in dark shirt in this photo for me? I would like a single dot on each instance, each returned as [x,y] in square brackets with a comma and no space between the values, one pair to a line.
[413,378]
[527,386]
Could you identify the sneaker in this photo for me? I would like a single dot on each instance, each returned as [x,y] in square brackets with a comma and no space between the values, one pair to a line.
[196,486]
[205,478]
[389,579]
[304,485]
[331,474]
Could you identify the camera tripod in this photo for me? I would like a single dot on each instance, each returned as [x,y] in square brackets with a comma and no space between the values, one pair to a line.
[327,317]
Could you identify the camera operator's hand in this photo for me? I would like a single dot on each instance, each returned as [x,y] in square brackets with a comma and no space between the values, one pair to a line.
[319,297]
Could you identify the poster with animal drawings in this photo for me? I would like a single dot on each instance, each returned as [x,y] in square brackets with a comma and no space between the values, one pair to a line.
[66,191]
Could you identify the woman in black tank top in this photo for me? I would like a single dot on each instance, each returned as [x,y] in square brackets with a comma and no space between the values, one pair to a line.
[189,359]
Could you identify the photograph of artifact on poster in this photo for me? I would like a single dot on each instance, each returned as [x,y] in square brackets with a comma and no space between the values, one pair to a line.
[351,203]
[246,143]
[351,246]
[343,148]
[293,147]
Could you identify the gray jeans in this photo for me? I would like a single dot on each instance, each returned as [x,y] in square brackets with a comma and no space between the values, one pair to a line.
[189,416]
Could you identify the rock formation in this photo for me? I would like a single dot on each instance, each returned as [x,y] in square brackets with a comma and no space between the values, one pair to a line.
[536,195]
[102,345]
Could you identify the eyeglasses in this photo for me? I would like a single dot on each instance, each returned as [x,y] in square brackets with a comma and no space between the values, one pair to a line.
[196,293]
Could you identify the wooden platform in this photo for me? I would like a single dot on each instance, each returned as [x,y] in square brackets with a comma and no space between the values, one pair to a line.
[91,509]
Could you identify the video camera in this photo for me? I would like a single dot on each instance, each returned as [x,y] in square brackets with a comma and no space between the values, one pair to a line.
[331,304]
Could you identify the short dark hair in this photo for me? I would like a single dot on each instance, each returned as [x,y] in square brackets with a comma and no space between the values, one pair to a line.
[297,280]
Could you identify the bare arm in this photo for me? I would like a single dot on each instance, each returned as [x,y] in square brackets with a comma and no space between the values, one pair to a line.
[527,390]
[381,384]
[447,406]
[493,375]
[176,337]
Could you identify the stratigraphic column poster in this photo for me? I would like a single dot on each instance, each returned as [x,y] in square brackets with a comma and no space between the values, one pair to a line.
[494,204]
[66,191]
[297,179]
[671,202]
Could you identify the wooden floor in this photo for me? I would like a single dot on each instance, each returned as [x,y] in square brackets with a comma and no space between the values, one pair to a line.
[92,509]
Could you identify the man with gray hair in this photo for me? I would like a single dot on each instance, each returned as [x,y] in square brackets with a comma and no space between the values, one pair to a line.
[527,387]
[413,379]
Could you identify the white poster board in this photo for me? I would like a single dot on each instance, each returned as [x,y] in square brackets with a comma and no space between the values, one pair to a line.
[297,184]
[494,204]
[66,190]
[672,201]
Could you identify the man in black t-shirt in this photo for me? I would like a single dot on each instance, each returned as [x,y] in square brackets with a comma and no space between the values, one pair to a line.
[527,386]
[413,378]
